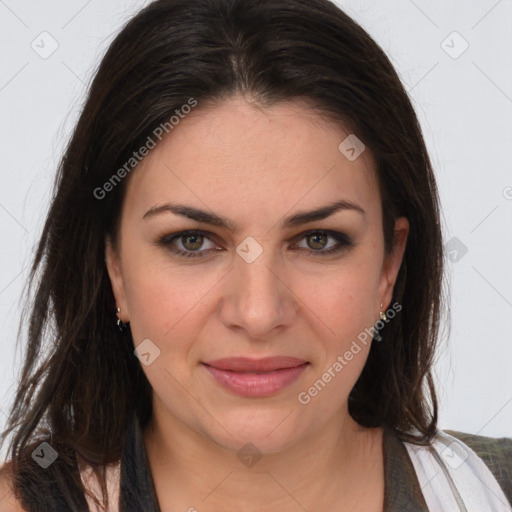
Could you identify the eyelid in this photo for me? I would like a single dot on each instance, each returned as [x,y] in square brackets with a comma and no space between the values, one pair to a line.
[167,239]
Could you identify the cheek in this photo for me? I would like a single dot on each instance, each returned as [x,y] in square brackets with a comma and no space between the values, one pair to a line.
[164,300]
[341,309]
[342,299]
[344,316]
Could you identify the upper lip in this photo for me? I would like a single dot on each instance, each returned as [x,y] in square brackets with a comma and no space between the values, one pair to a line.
[244,364]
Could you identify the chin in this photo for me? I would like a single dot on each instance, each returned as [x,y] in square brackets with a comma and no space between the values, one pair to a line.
[266,431]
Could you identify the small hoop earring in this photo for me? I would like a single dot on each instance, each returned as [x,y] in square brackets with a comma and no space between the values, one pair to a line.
[120,324]
[377,336]
[382,315]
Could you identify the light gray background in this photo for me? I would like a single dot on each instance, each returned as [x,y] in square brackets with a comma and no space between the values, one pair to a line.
[465,108]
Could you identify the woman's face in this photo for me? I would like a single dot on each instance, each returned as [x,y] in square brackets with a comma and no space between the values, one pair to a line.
[260,286]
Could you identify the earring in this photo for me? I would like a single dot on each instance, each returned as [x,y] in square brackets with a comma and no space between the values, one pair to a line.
[120,324]
[382,315]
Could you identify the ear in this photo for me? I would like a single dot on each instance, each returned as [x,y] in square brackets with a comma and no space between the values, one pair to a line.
[113,262]
[392,263]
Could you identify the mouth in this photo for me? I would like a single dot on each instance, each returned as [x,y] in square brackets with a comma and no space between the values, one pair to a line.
[246,365]
[256,378]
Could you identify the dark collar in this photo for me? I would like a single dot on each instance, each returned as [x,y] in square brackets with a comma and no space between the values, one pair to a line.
[402,489]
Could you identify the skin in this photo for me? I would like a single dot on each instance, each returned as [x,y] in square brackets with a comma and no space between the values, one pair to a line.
[255,166]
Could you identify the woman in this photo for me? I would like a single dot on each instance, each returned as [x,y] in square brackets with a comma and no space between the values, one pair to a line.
[240,282]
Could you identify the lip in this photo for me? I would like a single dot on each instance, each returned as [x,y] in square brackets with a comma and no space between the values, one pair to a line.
[238,374]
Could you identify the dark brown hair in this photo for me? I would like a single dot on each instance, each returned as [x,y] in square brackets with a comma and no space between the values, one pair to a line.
[81,382]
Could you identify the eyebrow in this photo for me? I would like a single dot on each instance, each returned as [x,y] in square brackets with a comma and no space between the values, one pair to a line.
[294,220]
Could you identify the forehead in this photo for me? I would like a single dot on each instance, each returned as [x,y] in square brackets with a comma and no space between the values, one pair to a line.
[231,156]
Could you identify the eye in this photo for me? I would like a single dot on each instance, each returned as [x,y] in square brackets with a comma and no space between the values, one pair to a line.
[320,239]
[192,241]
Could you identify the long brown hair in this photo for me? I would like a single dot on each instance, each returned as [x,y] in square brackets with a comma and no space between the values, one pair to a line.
[80,382]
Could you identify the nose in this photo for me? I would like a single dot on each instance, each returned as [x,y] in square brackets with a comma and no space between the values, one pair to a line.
[258,299]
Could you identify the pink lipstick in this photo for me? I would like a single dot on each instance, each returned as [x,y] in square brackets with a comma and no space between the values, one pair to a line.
[256,377]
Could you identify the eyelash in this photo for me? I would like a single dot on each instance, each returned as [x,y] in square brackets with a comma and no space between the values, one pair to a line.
[344,241]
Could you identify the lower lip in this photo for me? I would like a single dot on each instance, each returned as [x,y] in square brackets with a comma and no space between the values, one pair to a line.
[254,384]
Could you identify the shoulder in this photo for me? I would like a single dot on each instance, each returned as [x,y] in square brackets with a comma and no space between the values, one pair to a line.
[496,452]
[8,502]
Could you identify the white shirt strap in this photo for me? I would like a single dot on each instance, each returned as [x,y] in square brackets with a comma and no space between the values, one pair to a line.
[453,478]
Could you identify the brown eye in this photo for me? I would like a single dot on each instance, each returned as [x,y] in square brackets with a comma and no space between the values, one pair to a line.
[196,241]
[187,243]
[317,242]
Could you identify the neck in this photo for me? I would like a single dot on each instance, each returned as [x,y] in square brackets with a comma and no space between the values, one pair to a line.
[332,466]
